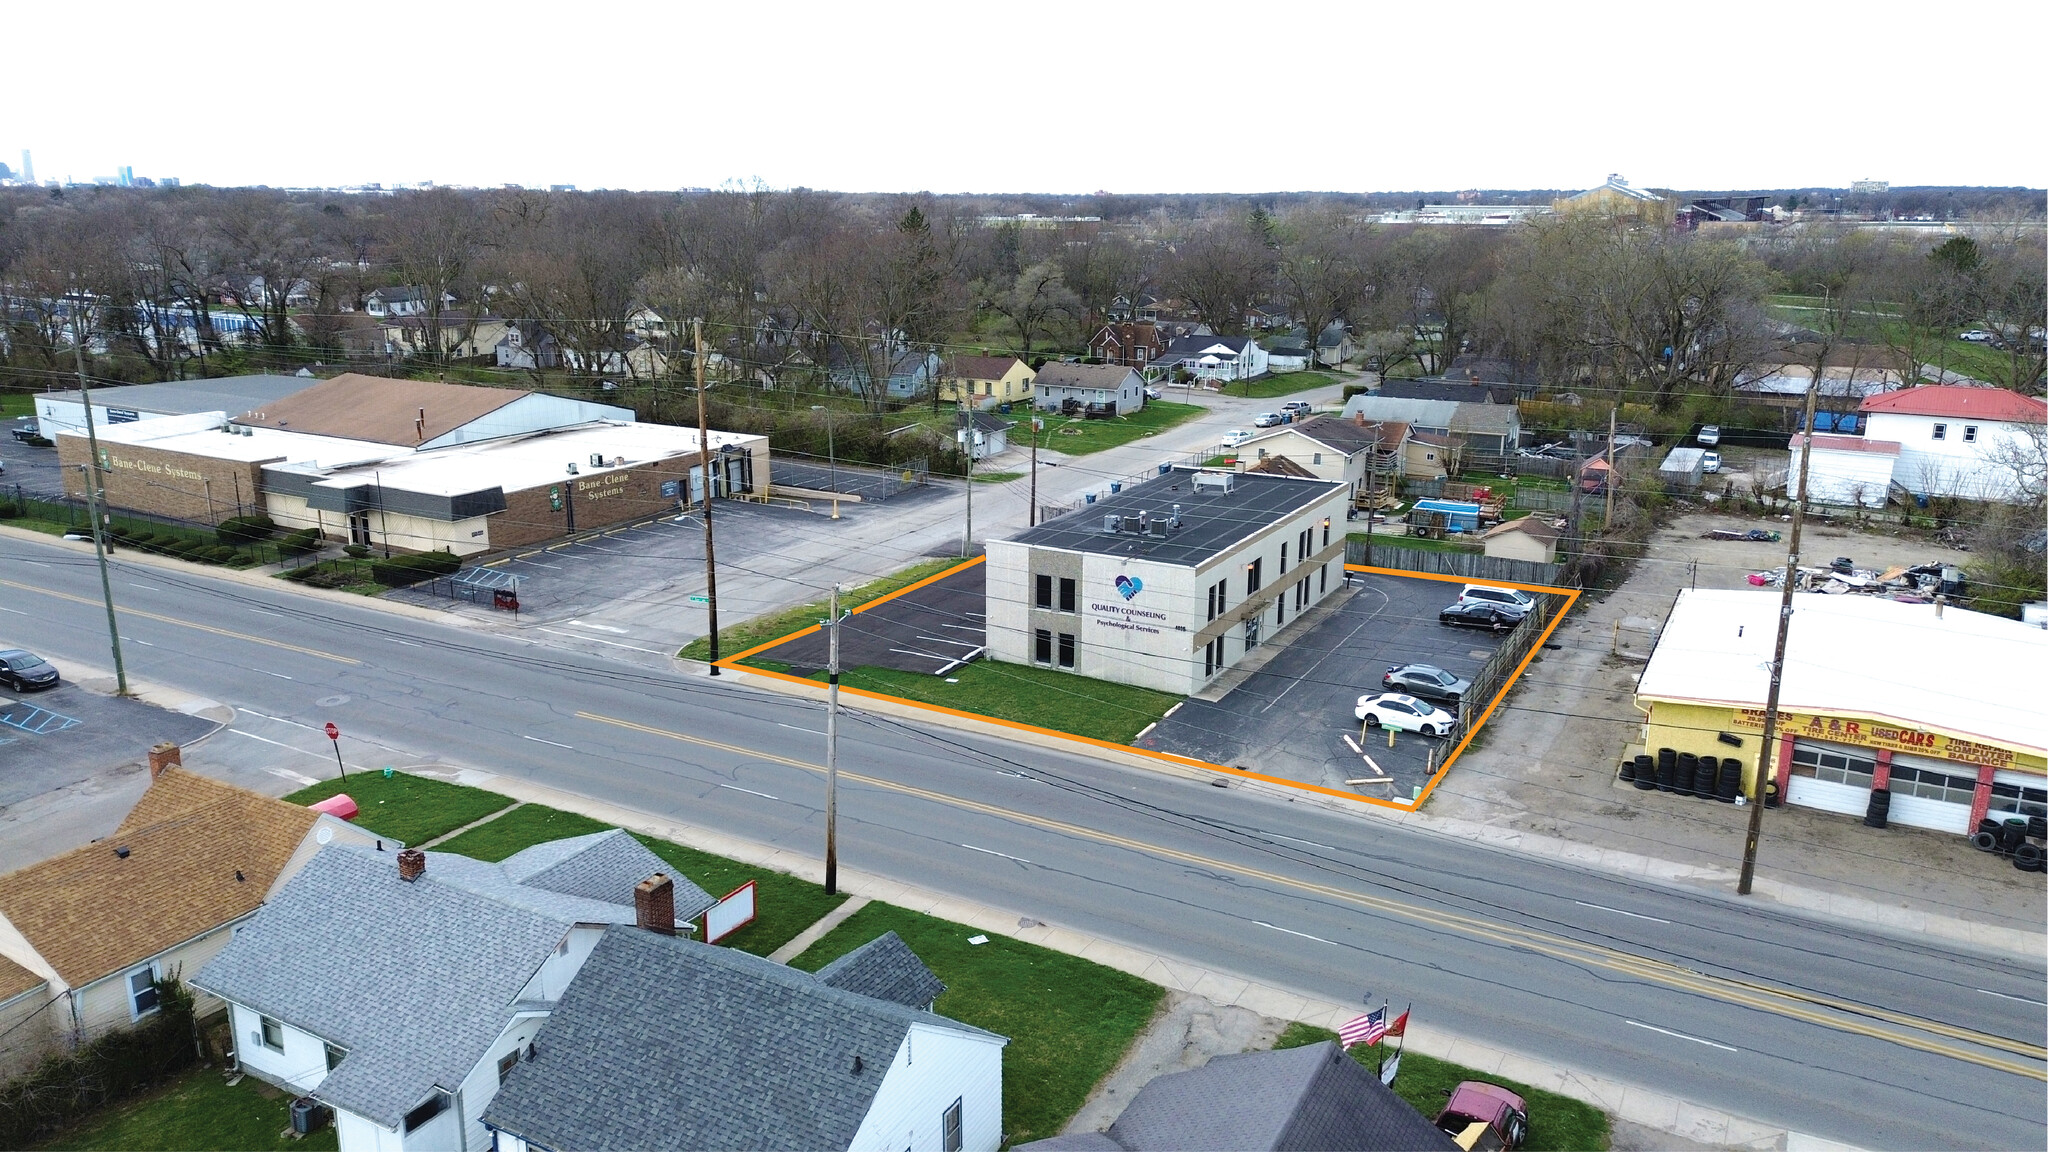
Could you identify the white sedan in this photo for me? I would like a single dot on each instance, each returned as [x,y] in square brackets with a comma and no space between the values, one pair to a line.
[1404,714]
[1236,437]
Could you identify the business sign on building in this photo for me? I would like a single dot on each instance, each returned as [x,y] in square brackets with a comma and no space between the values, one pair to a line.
[1870,734]
[1124,613]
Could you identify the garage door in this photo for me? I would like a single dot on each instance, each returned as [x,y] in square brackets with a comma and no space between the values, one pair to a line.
[2018,794]
[1831,777]
[1934,794]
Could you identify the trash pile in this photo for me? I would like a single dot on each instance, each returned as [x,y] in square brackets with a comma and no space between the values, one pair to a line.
[1760,535]
[1909,584]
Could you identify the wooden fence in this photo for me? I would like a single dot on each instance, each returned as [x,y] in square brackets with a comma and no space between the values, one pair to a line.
[1470,565]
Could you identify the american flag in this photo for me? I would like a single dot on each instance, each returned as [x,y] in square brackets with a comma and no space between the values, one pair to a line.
[1367,1029]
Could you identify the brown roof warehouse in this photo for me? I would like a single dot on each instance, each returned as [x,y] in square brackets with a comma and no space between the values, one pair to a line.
[414,464]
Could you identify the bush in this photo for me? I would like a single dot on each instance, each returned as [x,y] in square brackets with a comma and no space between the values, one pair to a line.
[245,529]
[109,1069]
[403,570]
[9,510]
[300,542]
[356,551]
[220,553]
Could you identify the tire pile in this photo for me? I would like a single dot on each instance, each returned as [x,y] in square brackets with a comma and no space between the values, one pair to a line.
[2013,837]
[1707,777]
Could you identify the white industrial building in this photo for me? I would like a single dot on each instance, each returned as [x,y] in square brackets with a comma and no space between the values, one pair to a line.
[1847,470]
[1167,584]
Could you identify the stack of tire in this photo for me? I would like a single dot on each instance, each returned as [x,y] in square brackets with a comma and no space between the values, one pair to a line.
[1879,813]
[2014,837]
[1707,777]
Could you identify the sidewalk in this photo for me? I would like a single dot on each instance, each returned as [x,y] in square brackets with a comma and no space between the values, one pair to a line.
[1626,1102]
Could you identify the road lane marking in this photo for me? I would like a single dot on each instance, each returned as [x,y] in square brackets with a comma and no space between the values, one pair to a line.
[279,675]
[794,728]
[1619,912]
[750,792]
[538,740]
[601,628]
[266,612]
[407,643]
[279,743]
[144,587]
[16,611]
[1786,1002]
[1292,932]
[993,852]
[279,719]
[1680,1035]
[610,643]
[2021,999]
[186,624]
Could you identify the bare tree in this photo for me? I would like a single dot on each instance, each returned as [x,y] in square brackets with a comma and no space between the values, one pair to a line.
[1320,272]
[1034,302]
[1221,269]
[434,242]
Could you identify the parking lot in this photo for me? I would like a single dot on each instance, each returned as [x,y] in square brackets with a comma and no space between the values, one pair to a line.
[929,630]
[33,470]
[1293,717]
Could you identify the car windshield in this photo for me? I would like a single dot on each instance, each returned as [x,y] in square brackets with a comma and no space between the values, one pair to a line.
[1441,676]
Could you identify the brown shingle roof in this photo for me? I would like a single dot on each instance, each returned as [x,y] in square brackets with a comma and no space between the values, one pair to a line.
[1536,526]
[979,367]
[1348,436]
[93,912]
[380,409]
[14,979]
[1281,466]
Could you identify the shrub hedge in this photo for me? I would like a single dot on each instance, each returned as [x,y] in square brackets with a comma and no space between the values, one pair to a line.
[111,1068]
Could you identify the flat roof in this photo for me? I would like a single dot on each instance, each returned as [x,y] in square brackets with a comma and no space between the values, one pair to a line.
[230,394]
[1856,654]
[199,434]
[517,463]
[1212,521]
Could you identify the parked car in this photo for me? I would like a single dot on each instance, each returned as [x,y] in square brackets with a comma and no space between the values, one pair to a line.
[1481,1115]
[1235,437]
[1488,594]
[28,430]
[1268,420]
[1480,614]
[1711,461]
[1425,682]
[1710,435]
[1296,409]
[1154,394]
[1976,336]
[1404,714]
[25,671]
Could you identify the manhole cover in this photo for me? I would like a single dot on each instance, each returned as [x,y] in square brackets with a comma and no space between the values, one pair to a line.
[331,701]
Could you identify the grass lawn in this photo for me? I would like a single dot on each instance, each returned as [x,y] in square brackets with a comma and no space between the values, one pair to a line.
[1026,694]
[997,477]
[196,1112]
[1080,437]
[1069,1020]
[413,809]
[784,905]
[13,404]
[522,827]
[1556,1123]
[1283,385]
[775,626]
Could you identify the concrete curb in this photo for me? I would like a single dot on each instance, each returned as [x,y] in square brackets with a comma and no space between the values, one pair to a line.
[1624,1101]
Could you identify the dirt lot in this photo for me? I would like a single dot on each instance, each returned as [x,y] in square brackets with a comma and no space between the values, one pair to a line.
[1546,765]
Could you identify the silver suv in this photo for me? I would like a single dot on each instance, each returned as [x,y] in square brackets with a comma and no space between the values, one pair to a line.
[1513,598]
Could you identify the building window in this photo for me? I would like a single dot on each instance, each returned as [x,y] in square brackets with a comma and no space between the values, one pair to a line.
[1283,558]
[955,1139]
[142,994]
[1930,784]
[335,1056]
[1969,433]
[1319,458]
[2019,799]
[1212,657]
[1251,633]
[1941,431]
[1066,649]
[1044,598]
[1253,575]
[1323,581]
[1219,596]
[1838,767]
[1041,645]
[1326,531]
[506,1063]
[1280,610]
[272,1032]
[1067,593]
[420,1116]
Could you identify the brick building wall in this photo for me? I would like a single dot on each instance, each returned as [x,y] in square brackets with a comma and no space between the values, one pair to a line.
[165,483]
[603,498]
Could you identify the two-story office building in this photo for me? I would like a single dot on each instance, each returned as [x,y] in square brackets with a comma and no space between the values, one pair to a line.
[1169,583]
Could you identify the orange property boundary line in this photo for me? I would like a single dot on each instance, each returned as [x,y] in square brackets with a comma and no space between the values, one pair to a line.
[1571,594]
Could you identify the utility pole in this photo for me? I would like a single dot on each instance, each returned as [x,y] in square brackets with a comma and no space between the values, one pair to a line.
[967,444]
[1765,758]
[1613,472]
[832,753]
[1037,426]
[1372,479]
[704,461]
[95,496]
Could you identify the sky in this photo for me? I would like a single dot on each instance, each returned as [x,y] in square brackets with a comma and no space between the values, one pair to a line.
[1059,97]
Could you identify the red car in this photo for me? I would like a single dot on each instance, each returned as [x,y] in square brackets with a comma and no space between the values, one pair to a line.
[1484,1116]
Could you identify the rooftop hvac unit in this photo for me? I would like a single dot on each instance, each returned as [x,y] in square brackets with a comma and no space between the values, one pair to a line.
[1215,482]
[1112,523]
[597,459]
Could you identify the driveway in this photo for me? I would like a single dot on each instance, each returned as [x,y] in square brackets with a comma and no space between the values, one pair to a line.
[1293,717]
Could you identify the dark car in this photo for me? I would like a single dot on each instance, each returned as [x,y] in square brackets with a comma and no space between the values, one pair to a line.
[26,671]
[1480,614]
[1426,681]
[27,431]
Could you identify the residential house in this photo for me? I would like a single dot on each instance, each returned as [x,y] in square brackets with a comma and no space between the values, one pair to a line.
[1268,317]
[1852,471]
[1365,456]
[97,927]
[1288,353]
[1493,429]
[1531,538]
[1852,373]
[1334,346]
[1447,388]
[1960,441]
[400,301]
[526,344]
[401,989]
[1314,1097]
[1497,373]
[1212,359]
[1131,343]
[629,355]
[1062,386]
[985,381]
[984,435]
[1145,308]
[910,372]
[462,336]
[666,1044]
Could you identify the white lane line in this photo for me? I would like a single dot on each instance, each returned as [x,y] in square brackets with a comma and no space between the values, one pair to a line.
[302,781]
[1019,776]
[538,740]
[1299,840]
[133,640]
[279,675]
[2021,999]
[407,643]
[794,728]
[609,643]
[750,792]
[16,611]
[993,852]
[144,587]
[1619,912]
[1679,1035]
[1292,932]
[266,612]
[536,563]
[279,743]
[601,628]
[280,720]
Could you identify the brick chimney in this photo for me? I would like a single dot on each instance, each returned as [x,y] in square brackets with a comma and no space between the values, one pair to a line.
[161,756]
[654,904]
[412,864]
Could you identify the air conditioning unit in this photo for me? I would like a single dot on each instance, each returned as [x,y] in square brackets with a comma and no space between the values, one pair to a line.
[597,459]
[1215,481]
[1112,523]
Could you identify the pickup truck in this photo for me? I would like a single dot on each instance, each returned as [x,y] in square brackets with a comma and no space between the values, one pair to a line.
[1484,1116]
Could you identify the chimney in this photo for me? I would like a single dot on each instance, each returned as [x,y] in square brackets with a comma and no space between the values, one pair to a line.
[654,904]
[1358,418]
[412,864]
[162,756]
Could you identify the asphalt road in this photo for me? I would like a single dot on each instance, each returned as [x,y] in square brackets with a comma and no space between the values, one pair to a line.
[1834,1031]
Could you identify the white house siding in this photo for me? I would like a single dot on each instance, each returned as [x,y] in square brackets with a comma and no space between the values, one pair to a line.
[360,1135]
[934,1067]
[1849,478]
[480,1087]
[26,1035]
[562,965]
[1950,466]
[301,1066]
[1327,463]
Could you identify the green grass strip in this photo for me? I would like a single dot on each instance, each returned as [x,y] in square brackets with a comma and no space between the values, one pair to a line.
[409,808]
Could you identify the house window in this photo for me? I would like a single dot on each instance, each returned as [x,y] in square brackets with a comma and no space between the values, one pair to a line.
[1253,575]
[1319,458]
[142,994]
[1066,649]
[1941,431]
[1067,594]
[954,1138]
[506,1063]
[1969,433]
[420,1116]
[1044,589]
[272,1032]
[1041,645]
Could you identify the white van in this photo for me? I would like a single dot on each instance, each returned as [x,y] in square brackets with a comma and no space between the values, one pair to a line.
[1488,594]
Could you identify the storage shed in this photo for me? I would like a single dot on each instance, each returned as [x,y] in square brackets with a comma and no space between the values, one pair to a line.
[1682,469]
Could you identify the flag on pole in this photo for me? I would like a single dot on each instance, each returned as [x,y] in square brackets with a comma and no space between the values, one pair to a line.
[1366,1029]
[1400,1025]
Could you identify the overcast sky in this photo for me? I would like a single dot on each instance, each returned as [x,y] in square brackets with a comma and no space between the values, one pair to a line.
[1177,96]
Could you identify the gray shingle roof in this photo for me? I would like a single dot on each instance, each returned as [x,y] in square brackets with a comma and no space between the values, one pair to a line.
[886,969]
[665,1043]
[1060,374]
[601,866]
[1423,414]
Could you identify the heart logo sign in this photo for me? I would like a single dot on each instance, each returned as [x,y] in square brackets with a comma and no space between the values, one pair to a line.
[1129,586]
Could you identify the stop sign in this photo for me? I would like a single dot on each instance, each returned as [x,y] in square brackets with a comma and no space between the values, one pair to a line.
[333,733]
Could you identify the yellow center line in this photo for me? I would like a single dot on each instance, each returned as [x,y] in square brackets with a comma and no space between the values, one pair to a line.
[1778,1001]
[184,623]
